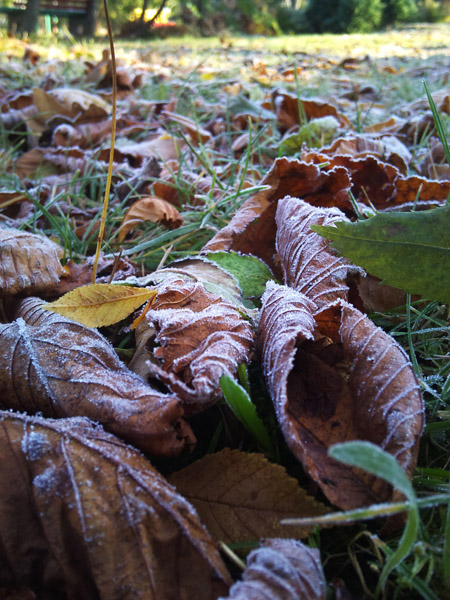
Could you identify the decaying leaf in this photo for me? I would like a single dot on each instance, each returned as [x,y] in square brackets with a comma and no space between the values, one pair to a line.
[252,230]
[149,208]
[189,339]
[83,516]
[56,367]
[309,265]
[29,262]
[334,376]
[100,304]
[281,570]
[243,497]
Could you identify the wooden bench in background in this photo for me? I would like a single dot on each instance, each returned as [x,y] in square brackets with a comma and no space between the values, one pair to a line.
[23,15]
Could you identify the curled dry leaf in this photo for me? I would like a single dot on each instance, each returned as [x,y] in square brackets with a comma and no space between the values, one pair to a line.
[281,570]
[243,497]
[29,262]
[252,230]
[309,265]
[59,368]
[149,208]
[333,377]
[97,521]
[190,338]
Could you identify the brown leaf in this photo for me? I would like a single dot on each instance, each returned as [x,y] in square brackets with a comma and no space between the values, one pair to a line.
[371,178]
[252,230]
[334,376]
[77,105]
[281,570]
[29,262]
[190,338]
[97,521]
[57,367]
[287,109]
[243,497]
[149,208]
[309,263]
[428,192]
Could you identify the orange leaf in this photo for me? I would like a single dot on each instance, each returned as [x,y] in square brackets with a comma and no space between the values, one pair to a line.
[149,208]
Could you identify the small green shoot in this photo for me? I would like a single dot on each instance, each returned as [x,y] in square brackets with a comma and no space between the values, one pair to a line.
[373,459]
[244,409]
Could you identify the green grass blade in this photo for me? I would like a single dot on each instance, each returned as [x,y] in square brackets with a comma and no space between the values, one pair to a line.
[438,123]
[245,411]
[373,459]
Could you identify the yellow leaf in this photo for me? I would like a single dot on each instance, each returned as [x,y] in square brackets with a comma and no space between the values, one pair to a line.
[100,304]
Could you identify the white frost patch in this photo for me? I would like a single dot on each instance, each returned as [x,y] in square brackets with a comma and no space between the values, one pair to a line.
[47,482]
[35,445]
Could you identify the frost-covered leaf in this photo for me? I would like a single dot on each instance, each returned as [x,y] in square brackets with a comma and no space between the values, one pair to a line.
[410,250]
[334,376]
[243,497]
[100,304]
[54,366]
[188,340]
[309,264]
[85,517]
[149,208]
[281,570]
[29,262]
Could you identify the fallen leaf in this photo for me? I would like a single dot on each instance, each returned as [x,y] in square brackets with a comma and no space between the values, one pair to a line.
[59,368]
[189,339]
[287,109]
[281,570]
[29,262]
[334,376]
[252,230]
[100,304]
[309,265]
[408,250]
[243,497]
[96,519]
[149,208]
[251,273]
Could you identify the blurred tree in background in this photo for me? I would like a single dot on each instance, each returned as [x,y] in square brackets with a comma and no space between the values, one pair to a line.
[268,17]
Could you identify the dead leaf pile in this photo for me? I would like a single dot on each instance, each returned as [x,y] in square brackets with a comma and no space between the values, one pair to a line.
[200,200]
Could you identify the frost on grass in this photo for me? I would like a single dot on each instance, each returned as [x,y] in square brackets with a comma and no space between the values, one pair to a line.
[91,518]
[59,368]
[333,377]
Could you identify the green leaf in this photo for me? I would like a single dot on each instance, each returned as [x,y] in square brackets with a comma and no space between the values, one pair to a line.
[382,464]
[245,411]
[251,273]
[410,251]
[317,132]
